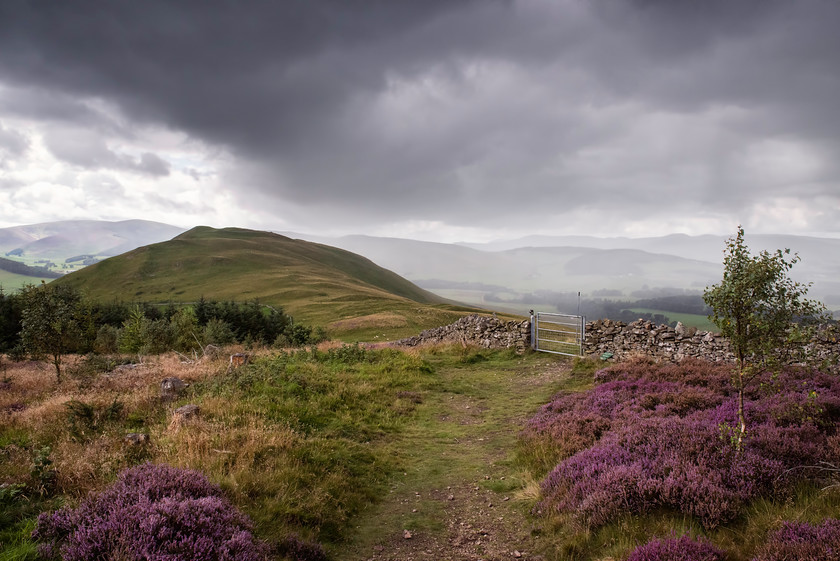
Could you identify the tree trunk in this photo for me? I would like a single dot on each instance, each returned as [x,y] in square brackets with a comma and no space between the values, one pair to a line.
[57,364]
[742,422]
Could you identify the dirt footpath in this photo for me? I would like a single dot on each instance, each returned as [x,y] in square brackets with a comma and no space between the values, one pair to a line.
[461,495]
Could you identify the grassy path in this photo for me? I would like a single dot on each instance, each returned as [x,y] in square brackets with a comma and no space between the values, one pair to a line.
[460,494]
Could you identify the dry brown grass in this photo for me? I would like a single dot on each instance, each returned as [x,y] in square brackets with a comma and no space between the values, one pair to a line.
[304,460]
[24,382]
[224,443]
[383,320]
[82,467]
[34,404]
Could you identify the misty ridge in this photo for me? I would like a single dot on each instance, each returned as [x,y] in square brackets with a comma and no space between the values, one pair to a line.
[618,278]
[591,276]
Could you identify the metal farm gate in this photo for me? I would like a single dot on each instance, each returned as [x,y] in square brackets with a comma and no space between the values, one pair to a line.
[558,333]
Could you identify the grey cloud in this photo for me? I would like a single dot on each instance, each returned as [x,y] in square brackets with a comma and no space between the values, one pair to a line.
[83,149]
[167,204]
[7,184]
[102,185]
[55,107]
[152,164]
[13,144]
[450,110]
[230,73]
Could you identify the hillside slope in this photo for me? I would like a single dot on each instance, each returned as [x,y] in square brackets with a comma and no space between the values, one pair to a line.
[315,283]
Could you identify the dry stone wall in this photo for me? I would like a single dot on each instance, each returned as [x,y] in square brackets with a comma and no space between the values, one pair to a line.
[658,341]
[674,344]
[623,340]
[483,331]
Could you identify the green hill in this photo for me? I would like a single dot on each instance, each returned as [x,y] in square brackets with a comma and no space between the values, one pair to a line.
[316,284]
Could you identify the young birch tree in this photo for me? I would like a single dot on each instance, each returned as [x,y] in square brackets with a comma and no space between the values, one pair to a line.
[760,310]
[50,323]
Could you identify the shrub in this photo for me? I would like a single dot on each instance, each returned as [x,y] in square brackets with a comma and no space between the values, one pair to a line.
[92,365]
[575,421]
[157,337]
[184,330]
[152,512]
[647,440]
[84,420]
[677,549]
[296,549]
[803,541]
[107,339]
[218,332]
[131,334]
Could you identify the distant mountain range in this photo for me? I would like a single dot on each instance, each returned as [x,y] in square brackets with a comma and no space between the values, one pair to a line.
[65,239]
[507,275]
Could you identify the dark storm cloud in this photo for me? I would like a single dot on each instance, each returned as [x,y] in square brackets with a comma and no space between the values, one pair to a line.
[492,107]
[54,106]
[238,73]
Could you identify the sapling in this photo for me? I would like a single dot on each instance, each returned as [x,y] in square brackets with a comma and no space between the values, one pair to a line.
[761,311]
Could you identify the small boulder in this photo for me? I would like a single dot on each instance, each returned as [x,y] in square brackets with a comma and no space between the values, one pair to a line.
[212,352]
[136,439]
[171,388]
[239,359]
[682,331]
[188,411]
[184,415]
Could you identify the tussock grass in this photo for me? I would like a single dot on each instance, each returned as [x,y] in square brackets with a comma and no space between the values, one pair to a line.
[296,438]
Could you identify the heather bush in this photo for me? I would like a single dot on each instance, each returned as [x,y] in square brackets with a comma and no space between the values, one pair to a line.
[677,549]
[296,549]
[575,421]
[646,439]
[803,541]
[152,512]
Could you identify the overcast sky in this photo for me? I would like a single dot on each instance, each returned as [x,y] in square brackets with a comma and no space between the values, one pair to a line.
[443,120]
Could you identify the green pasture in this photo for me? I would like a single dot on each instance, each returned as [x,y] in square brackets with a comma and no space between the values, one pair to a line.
[690,320]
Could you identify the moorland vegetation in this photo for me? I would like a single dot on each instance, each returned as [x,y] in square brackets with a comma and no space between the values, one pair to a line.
[651,439]
[312,452]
